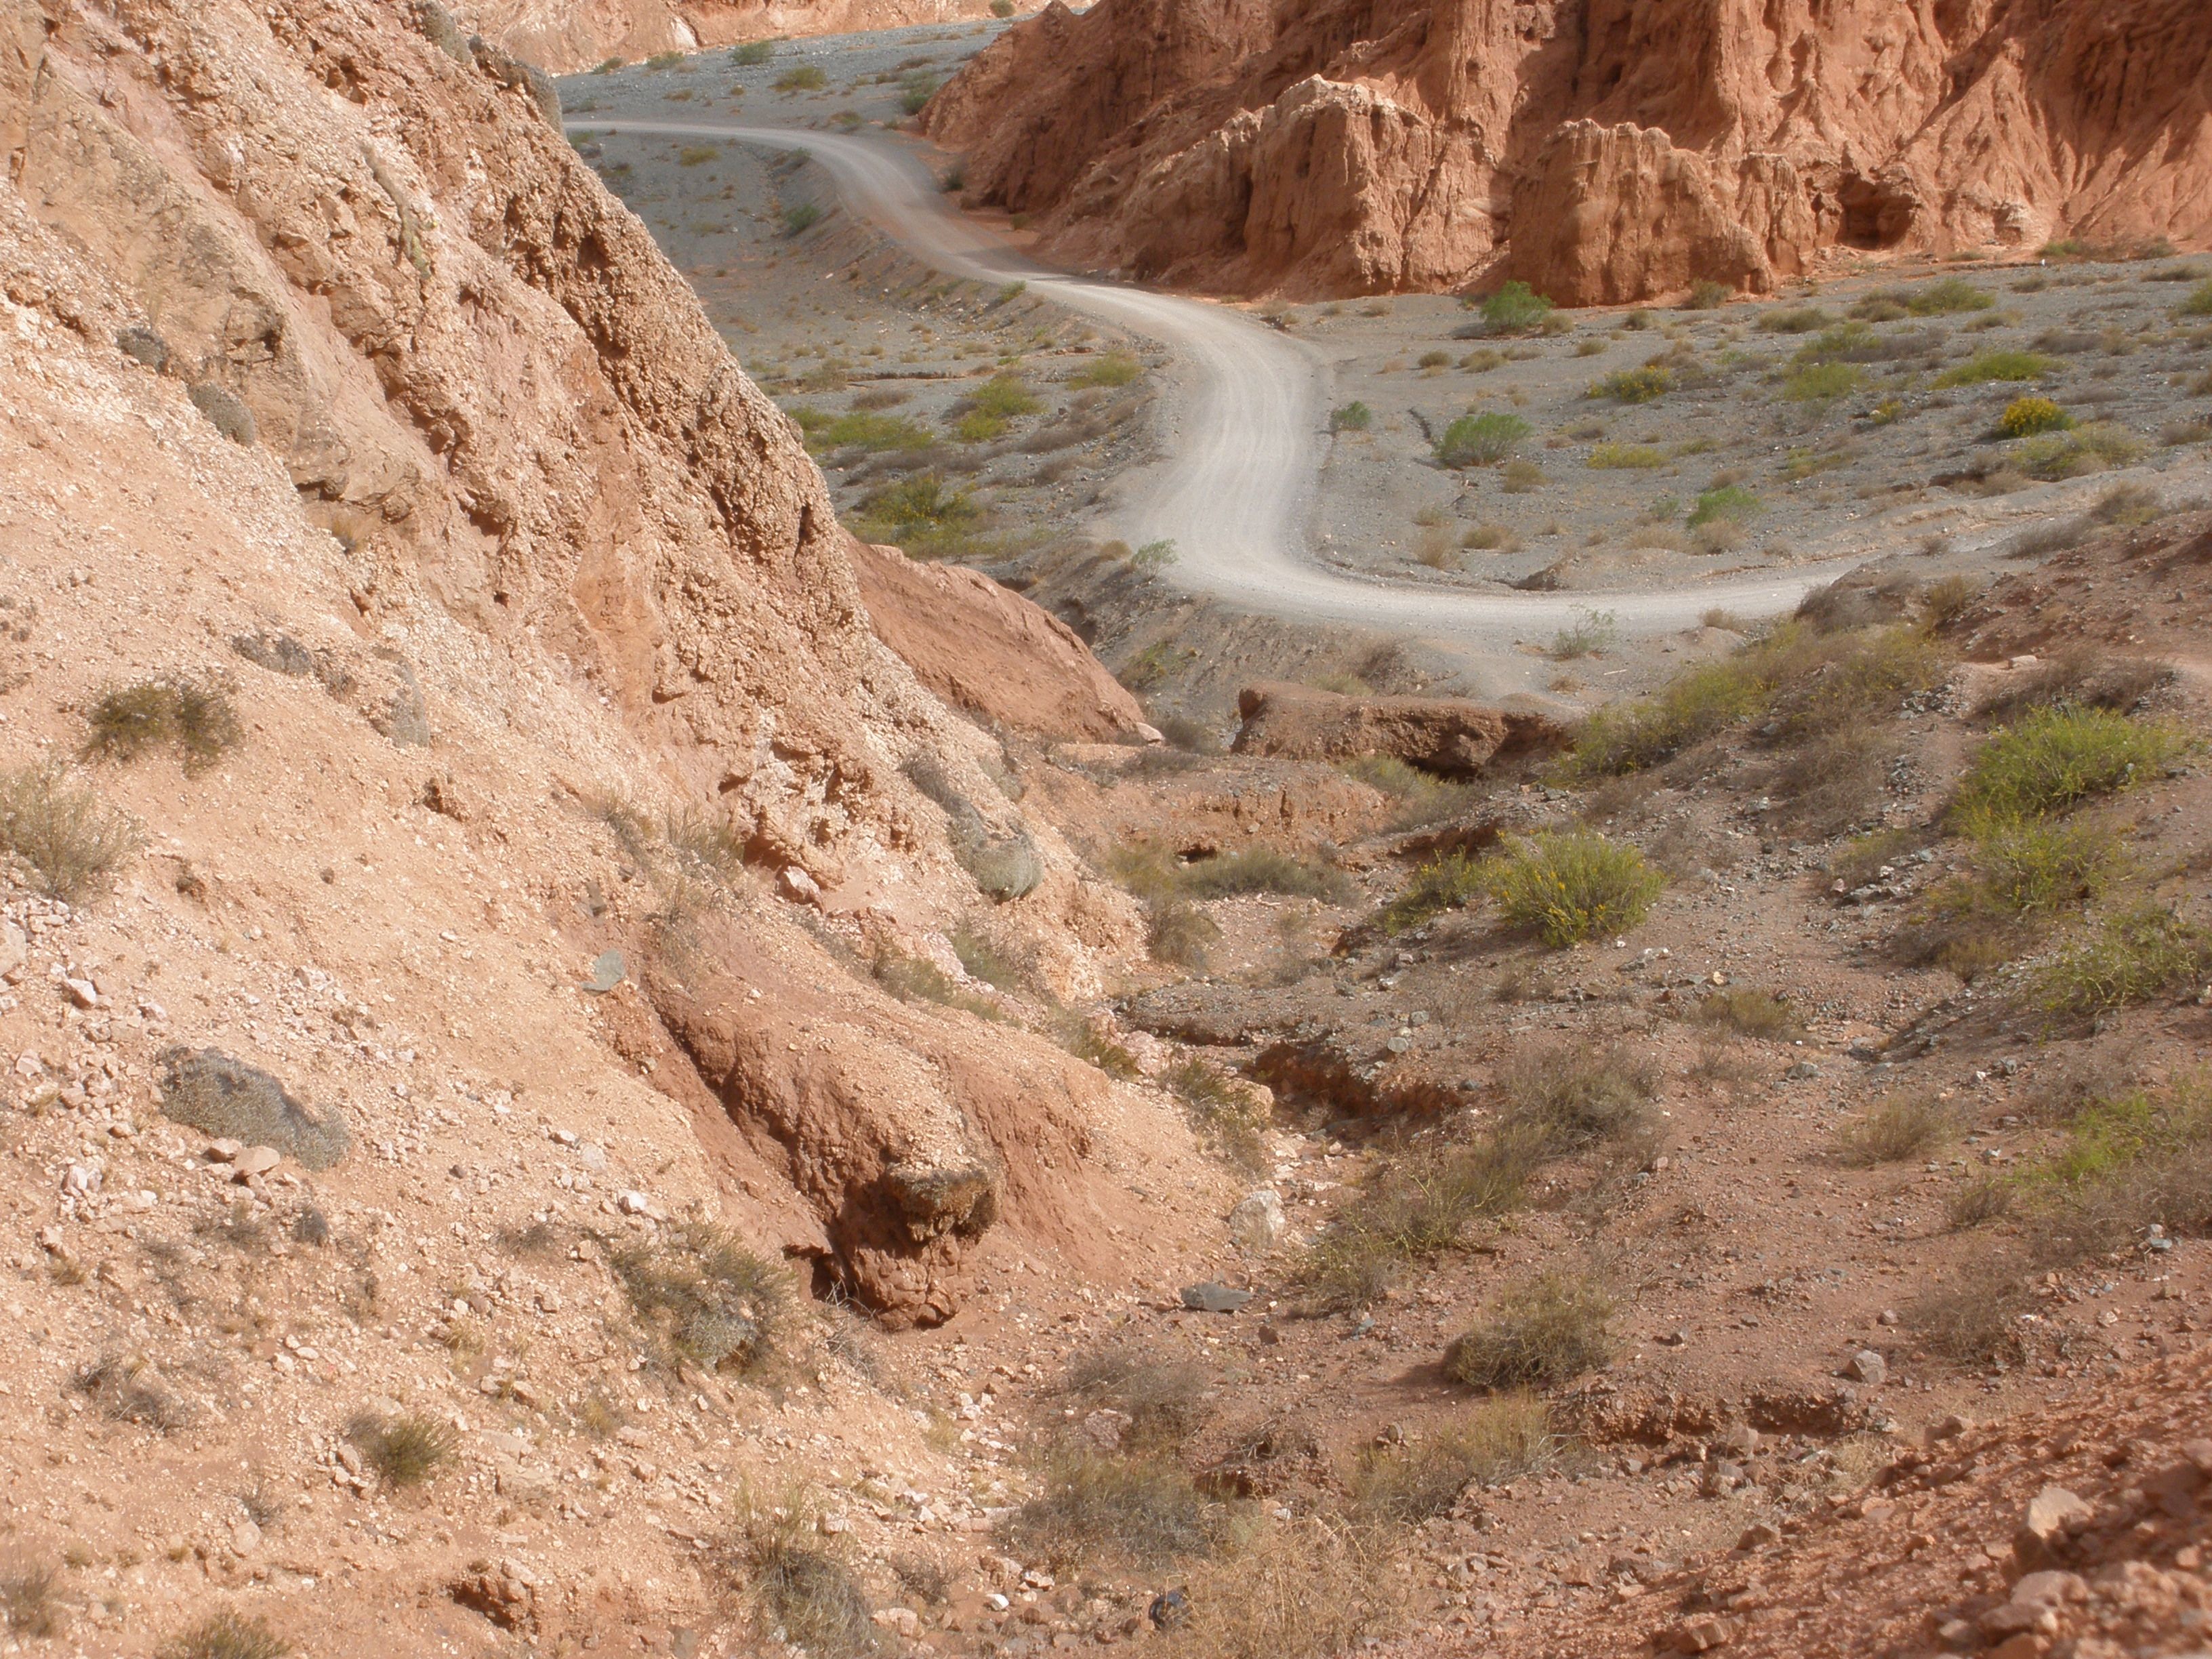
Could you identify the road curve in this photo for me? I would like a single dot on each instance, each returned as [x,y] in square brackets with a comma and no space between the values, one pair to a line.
[1235,491]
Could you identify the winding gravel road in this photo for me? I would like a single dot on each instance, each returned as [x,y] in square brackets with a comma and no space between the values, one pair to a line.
[1245,435]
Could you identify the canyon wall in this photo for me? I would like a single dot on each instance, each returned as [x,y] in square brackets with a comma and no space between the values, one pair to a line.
[1603,151]
[562,36]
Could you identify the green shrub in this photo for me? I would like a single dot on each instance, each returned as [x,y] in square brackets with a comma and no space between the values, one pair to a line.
[1109,368]
[862,428]
[2033,867]
[2024,417]
[71,839]
[1515,308]
[1259,870]
[1499,1440]
[1544,1330]
[2073,454]
[2133,957]
[1230,1119]
[1440,885]
[1643,456]
[1567,886]
[1519,477]
[2199,302]
[1480,439]
[404,1450]
[1732,503]
[919,506]
[1002,7]
[2055,758]
[912,979]
[1433,360]
[799,217]
[802,77]
[1819,382]
[1697,704]
[1706,294]
[664,60]
[1795,319]
[1353,418]
[1635,386]
[1590,633]
[127,720]
[705,1297]
[752,53]
[916,87]
[1947,298]
[1995,364]
[1003,395]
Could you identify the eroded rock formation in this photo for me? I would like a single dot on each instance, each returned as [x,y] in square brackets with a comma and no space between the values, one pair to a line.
[564,35]
[1603,151]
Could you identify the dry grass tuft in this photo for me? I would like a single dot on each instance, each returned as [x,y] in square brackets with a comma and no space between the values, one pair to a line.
[127,721]
[404,1450]
[1139,1510]
[71,840]
[227,1635]
[1544,1330]
[1165,1396]
[1574,1095]
[1413,1209]
[1749,1013]
[1906,1126]
[1499,1439]
[705,1297]
[28,1603]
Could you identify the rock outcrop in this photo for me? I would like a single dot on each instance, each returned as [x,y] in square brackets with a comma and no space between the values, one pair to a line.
[314,297]
[1443,735]
[565,35]
[987,650]
[1602,150]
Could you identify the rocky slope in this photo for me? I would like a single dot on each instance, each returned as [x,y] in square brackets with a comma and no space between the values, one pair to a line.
[1603,151]
[563,35]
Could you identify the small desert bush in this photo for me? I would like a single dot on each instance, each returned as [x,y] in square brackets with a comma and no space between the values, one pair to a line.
[1166,1399]
[1005,396]
[1730,502]
[1544,1330]
[1141,1512]
[226,1635]
[1996,364]
[913,979]
[1518,477]
[1905,1127]
[2080,678]
[1178,932]
[1230,1119]
[1150,873]
[1515,308]
[2141,953]
[1421,798]
[1480,439]
[1748,1012]
[1617,455]
[2139,1159]
[27,1602]
[2025,417]
[862,428]
[2199,302]
[801,216]
[71,839]
[2031,868]
[802,77]
[1946,298]
[2055,758]
[1590,633]
[1567,886]
[1353,418]
[752,53]
[127,721]
[2076,454]
[406,1449]
[218,1095]
[1444,884]
[1706,294]
[803,1594]
[1795,319]
[1497,1440]
[1306,1589]
[1577,1094]
[1984,1198]
[1972,1319]
[1820,382]
[1111,368]
[1412,1209]
[705,1297]
[1635,386]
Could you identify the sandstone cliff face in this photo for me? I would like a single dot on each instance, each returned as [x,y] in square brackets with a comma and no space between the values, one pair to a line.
[1603,151]
[536,495]
[565,35]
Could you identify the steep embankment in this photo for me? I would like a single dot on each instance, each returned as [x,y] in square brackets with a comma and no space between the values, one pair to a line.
[1605,152]
[565,35]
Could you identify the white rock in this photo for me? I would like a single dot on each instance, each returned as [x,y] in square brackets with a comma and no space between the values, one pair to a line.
[255,1161]
[634,1203]
[800,887]
[246,1538]
[1258,1222]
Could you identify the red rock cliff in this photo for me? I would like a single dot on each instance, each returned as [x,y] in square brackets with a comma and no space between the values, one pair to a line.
[1604,150]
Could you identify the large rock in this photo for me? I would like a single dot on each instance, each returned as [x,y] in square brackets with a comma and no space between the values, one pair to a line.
[1439,734]
[985,649]
[1605,150]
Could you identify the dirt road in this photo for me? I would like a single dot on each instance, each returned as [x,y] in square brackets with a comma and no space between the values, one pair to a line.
[1243,435]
